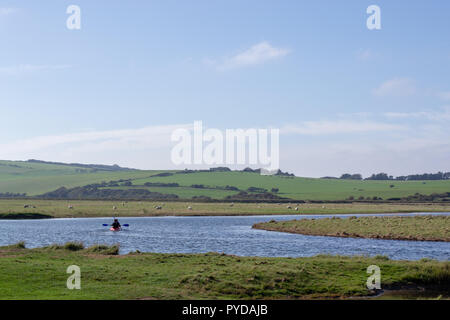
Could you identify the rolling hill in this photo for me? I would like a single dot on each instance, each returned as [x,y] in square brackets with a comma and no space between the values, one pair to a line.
[38,177]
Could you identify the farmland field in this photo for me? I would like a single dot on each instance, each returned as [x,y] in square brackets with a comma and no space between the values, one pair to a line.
[100,208]
[305,188]
[38,178]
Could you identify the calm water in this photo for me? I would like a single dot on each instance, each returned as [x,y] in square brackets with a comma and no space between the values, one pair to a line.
[231,235]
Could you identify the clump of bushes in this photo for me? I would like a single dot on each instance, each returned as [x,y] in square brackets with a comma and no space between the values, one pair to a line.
[77,246]
[256,189]
[381,257]
[104,249]
[71,246]
[160,184]
[227,187]
[18,245]
[74,246]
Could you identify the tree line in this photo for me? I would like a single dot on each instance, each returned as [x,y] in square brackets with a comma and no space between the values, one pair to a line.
[384,176]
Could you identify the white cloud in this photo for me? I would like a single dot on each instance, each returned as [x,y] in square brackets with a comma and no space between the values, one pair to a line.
[338,127]
[308,148]
[130,147]
[257,54]
[429,115]
[398,157]
[396,87]
[28,68]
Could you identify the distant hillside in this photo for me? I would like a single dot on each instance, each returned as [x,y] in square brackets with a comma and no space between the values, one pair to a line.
[100,167]
[222,184]
[37,177]
[90,181]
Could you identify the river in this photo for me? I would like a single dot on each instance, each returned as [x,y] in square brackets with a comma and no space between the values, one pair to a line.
[230,235]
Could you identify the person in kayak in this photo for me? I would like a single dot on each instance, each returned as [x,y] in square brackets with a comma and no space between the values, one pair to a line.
[116,224]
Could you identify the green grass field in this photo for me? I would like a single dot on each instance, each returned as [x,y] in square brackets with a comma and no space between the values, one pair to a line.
[97,208]
[41,274]
[184,192]
[38,178]
[305,188]
[423,228]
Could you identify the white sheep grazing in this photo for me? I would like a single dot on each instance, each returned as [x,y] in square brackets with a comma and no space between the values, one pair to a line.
[189,208]
[289,207]
[158,207]
[70,207]
[296,208]
[114,208]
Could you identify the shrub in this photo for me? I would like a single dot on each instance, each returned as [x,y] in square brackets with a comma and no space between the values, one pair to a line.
[19,245]
[104,249]
[74,246]
[381,257]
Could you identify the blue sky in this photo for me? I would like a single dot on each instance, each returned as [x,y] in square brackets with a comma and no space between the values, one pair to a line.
[346,99]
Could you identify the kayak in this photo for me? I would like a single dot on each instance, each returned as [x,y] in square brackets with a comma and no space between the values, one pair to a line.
[114,229]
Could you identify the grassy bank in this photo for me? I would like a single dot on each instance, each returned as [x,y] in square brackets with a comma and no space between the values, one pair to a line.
[21,216]
[41,274]
[423,228]
[75,209]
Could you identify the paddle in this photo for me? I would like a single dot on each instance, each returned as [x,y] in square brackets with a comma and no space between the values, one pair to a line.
[124,225]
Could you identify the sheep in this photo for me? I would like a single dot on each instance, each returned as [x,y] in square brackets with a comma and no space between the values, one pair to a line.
[189,208]
[289,207]
[158,207]
[296,208]
[70,206]
[114,208]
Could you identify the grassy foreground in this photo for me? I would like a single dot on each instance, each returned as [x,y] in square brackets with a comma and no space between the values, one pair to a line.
[60,208]
[424,228]
[41,274]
